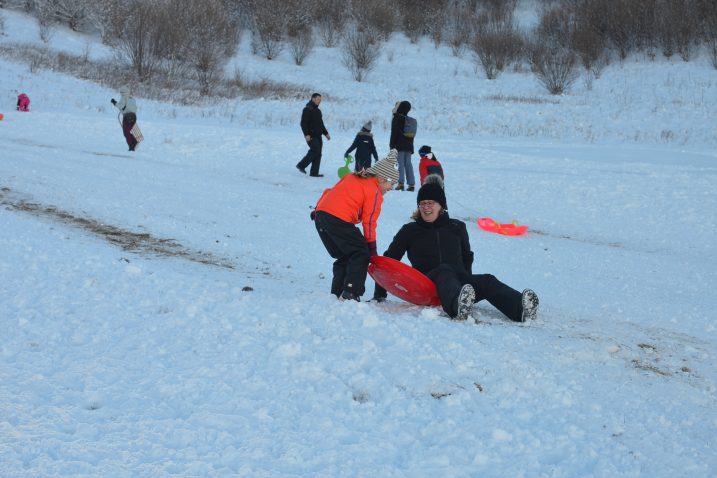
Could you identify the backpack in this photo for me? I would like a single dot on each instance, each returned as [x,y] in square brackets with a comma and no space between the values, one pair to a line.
[410,127]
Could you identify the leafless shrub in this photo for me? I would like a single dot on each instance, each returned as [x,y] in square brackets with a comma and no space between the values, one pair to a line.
[299,33]
[418,17]
[496,46]
[376,17]
[458,26]
[554,67]
[269,26]
[330,20]
[103,16]
[69,12]
[137,41]
[359,53]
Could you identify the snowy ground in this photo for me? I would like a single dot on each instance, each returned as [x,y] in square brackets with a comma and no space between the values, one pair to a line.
[167,313]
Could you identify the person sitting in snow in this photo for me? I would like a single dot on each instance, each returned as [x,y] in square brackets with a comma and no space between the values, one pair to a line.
[356,198]
[438,246]
[364,146]
[128,107]
[429,164]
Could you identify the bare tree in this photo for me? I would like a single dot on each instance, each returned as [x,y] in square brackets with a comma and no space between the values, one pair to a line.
[299,34]
[103,16]
[496,45]
[359,53]
[554,68]
[458,27]
[376,17]
[70,12]
[269,26]
[330,20]
[211,39]
[137,41]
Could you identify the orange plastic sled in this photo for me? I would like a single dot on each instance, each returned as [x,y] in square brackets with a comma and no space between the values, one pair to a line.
[508,229]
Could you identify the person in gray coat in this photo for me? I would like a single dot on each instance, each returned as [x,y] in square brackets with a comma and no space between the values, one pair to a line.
[128,107]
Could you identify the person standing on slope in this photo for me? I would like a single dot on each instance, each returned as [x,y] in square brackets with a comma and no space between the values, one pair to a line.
[312,125]
[403,144]
[438,246]
[356,198]
[128,107]
[364,146]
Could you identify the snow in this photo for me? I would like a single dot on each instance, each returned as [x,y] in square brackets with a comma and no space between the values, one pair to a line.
[167,313]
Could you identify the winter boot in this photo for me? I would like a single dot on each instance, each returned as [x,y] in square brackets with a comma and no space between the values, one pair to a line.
[347,295]
[399,187]
[465,302]
[530,306]
[411,188]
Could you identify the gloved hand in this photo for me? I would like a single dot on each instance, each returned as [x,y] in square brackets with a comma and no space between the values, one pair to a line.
[378,299]
[113,101]
[312,215]
[372,248]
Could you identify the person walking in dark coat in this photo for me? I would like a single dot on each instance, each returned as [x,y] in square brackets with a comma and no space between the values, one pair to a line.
[312,125]
[438,246]
[364,146]
[404,145]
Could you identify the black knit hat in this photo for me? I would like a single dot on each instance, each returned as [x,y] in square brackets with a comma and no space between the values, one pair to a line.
[432,190]
[425,149]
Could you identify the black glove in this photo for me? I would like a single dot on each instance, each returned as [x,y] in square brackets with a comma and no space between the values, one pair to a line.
[113,101]
[378,299]
[313,215]
[372,248]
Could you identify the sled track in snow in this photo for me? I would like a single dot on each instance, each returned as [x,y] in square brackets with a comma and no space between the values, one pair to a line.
[138,242]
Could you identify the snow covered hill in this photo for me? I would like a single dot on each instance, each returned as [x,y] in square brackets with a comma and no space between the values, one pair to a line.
[167,313]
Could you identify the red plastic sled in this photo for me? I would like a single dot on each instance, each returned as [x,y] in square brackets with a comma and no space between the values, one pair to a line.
[403,281]
[508,229]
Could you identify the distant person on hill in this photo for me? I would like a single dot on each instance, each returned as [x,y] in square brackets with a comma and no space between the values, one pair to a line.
[439,247]
[312,125]
[429,163]
[23,102]
[402,141]
[356,198]
[364,146]
[128,108]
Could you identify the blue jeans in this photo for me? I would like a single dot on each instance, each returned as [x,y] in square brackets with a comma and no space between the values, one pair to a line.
[405,168]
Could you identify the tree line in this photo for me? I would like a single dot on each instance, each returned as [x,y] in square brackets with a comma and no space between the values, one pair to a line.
[191,40]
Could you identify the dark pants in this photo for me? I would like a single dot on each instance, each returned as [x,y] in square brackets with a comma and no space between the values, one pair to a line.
[346,244]
[362,163]
[502,297]
[128,122]
[313,156]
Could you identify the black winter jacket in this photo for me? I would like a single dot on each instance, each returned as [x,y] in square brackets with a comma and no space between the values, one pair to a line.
[312,121]
[429,244]
[398,140]
[365,148]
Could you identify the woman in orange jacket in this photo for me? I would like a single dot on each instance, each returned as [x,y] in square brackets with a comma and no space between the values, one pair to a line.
[356,198]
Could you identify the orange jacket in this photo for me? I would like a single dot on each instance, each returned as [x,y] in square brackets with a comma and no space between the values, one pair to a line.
[354,199]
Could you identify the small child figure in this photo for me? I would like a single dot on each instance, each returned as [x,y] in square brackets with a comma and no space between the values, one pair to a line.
[429,163]
[23,102]
[365,148]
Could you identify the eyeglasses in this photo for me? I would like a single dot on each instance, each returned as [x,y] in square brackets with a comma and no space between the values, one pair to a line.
[427,203]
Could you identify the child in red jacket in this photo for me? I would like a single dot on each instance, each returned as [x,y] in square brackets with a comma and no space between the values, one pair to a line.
[429,163]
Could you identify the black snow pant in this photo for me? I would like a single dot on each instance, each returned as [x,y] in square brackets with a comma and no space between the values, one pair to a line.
[313,156]
[449,283]
[346,244]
